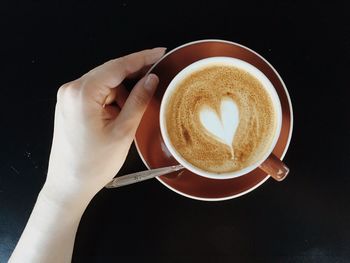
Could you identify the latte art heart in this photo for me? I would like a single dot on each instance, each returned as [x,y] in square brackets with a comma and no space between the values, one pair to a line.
[224,126]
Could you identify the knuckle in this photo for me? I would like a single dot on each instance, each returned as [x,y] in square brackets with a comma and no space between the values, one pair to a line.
[69,89]
[116,61]
[125,65]
[60,92]
[106,64]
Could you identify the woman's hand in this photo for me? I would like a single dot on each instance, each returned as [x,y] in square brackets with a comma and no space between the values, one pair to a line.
[95,123]
[92,137]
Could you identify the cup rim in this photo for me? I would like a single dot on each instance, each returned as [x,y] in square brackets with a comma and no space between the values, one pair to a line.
[197,65]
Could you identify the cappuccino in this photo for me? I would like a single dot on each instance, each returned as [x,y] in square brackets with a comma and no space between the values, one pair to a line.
[220,118]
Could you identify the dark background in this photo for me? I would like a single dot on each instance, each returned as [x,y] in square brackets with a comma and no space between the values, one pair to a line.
[304,219]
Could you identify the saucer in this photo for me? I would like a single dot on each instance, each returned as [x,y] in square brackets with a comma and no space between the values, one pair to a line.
[152,149]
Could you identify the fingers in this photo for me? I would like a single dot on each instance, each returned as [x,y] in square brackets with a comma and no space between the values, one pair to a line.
[136,104]
[113,72]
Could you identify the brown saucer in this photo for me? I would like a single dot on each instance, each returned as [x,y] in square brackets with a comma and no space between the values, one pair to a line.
[149,141]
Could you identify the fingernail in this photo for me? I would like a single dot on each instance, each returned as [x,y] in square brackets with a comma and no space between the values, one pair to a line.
[151,82]
[159,50]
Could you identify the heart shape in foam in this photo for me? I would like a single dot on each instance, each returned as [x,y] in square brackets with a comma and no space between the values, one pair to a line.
[222,127]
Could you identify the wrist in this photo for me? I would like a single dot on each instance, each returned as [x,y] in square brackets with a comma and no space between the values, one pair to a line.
[69,198]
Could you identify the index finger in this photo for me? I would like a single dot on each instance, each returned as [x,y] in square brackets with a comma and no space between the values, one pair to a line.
[113,72]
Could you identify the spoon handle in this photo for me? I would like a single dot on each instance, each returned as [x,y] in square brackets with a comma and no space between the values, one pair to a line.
[142,176]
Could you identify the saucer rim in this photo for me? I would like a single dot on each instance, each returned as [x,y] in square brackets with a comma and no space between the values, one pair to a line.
[289,135]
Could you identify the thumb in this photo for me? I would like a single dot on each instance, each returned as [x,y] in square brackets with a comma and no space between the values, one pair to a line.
[136,104]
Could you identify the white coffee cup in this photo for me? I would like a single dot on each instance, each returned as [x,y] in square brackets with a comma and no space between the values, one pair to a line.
[269,163]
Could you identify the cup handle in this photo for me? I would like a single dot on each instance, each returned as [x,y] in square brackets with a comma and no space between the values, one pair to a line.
[275,168]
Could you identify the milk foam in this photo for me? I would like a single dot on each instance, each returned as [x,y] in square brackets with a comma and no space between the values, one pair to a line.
[223,126]
[220,119]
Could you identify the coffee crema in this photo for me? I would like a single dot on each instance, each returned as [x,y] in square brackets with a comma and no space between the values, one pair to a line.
[220,119]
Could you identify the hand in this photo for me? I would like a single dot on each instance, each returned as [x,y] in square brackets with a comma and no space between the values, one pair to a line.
[92,136]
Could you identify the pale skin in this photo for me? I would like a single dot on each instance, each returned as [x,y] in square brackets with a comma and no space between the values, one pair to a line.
[92,137]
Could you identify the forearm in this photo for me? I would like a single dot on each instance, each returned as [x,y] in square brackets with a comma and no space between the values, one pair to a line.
[50,232]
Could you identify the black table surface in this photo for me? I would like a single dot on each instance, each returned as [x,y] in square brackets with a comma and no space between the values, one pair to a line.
[306,218]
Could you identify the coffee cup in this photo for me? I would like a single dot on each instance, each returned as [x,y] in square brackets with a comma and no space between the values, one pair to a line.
[221,118]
